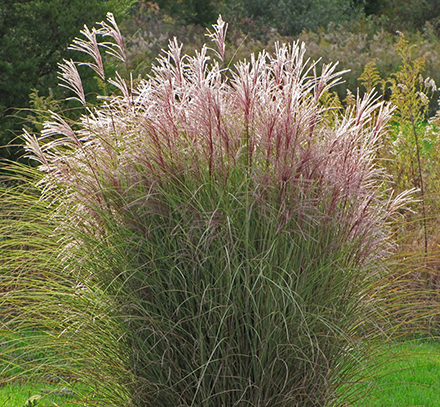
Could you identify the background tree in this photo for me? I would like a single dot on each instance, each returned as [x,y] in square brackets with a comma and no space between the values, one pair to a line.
[290,17]
[405,15]
[34,36]
[202,12]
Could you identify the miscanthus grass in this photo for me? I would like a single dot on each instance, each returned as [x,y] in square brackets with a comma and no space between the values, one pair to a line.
[206,236]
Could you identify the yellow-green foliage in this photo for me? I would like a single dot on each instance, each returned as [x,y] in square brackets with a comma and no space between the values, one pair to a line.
[411,152]
[409,90]
[371,78]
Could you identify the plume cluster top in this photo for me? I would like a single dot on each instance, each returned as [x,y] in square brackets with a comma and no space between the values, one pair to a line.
[196,118]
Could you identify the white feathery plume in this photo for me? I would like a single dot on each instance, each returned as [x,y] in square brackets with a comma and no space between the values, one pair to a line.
[70,76]
[112,30]
[89,46]
[59,127]
[219,36]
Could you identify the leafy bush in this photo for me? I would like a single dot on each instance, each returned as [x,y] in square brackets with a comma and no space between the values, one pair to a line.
[205,236]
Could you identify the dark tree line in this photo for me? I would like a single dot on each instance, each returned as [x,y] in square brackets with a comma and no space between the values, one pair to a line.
[34,36]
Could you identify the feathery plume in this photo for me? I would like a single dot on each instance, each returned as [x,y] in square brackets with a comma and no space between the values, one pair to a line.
[219,36]
[70,76]
[59,127]
[90,47]
[112,30]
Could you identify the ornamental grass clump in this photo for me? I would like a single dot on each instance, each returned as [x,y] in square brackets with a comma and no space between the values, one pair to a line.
[207,237]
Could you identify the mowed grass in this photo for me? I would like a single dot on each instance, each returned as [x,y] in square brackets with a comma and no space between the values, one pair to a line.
[410,377]
[40,394]
[19,389]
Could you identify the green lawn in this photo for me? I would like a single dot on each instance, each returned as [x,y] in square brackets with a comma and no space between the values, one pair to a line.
[16,349]
[410,380]
[45,395]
